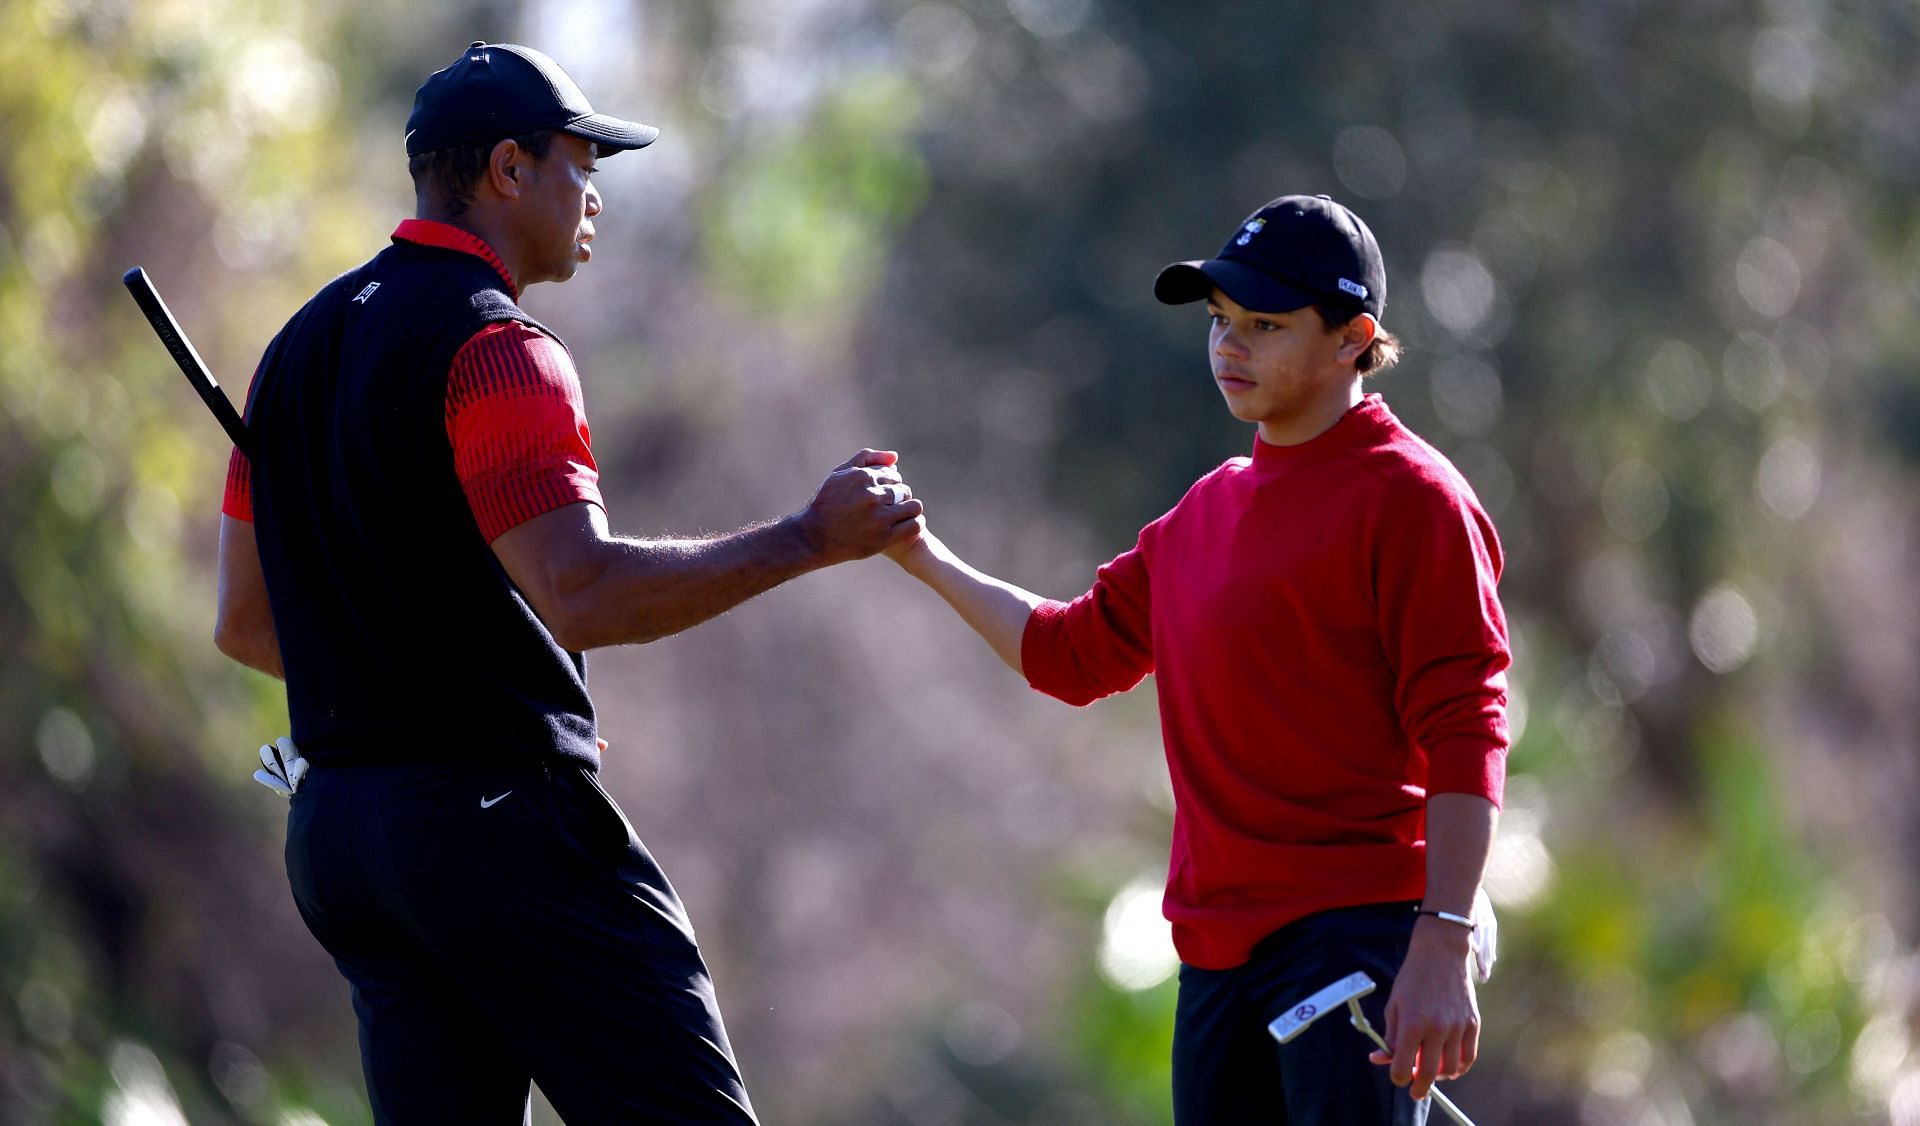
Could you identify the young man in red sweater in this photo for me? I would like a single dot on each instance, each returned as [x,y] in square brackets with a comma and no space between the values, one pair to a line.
[1330,655]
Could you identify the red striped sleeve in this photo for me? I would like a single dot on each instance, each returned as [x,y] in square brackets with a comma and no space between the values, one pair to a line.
[238,501]
[518,425]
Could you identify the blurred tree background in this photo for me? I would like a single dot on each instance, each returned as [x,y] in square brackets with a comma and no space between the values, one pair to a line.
[1657,267]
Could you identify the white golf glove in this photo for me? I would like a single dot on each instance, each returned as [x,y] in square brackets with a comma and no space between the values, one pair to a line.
[281,767]
[1486,936]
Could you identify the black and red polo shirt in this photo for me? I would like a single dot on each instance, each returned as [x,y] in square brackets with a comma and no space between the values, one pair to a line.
[402,420]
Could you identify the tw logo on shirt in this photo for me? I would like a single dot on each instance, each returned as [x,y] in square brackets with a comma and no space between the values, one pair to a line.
[361,297]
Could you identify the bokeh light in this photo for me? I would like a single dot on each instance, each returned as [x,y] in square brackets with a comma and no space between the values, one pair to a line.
[1724,630]
[1136,943]
[1369,161]
[1789,478]
[1458,290]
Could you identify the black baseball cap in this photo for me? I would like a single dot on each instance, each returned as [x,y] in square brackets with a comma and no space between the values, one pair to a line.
[1296,251]
[500,90]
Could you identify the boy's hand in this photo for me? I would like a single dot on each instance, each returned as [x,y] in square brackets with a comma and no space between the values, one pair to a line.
[1433,1020]
[914,543]
[911,545]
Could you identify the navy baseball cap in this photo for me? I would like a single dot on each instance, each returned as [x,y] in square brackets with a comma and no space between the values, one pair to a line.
[1296,251]
[499,90]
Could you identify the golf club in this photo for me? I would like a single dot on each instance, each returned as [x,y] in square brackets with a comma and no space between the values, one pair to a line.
[182,351]
[282,767]
[1348,991]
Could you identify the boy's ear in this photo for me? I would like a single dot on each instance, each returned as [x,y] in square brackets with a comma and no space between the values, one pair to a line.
[1355,336]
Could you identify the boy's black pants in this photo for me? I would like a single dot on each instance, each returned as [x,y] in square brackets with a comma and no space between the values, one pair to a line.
[1227,1069]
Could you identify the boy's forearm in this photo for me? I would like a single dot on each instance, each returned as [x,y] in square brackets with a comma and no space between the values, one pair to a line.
[1433,1020]
[1459,840]
[997,610]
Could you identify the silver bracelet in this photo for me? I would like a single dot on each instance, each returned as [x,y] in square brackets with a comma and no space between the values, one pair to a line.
[1448,917]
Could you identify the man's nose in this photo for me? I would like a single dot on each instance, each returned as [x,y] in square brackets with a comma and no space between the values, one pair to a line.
[593,200]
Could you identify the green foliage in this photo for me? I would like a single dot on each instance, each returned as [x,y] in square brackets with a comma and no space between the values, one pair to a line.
[800,226]
[1125,1042]
[133,134]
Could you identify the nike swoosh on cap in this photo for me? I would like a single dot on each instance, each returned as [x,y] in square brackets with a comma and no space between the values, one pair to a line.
[489,803]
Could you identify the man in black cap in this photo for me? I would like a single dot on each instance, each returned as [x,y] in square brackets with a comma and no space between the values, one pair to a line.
[418,546]
[1330,655]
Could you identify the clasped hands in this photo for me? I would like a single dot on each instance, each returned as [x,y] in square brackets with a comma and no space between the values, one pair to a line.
[863,508]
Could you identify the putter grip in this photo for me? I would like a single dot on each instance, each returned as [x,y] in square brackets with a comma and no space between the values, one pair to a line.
[182,351]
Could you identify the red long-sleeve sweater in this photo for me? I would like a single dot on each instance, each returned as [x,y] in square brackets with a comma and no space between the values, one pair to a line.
[1329,649]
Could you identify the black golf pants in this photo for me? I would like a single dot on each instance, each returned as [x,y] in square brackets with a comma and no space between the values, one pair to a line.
[1227,1069]
[501,925]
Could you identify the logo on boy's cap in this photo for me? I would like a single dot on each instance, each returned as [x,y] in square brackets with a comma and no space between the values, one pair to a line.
[1251,229]
[1353,287]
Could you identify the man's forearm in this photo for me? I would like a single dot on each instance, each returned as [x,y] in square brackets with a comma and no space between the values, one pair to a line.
[997,610]
[243,626]
[592,588]
[649,589]
[261,654]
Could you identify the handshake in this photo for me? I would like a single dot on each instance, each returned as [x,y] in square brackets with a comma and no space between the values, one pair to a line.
[863,508]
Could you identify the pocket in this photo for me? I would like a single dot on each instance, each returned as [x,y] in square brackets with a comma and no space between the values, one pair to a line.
[298,850]
[611,830]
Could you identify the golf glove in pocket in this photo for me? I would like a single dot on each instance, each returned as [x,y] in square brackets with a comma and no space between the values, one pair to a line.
[281,767]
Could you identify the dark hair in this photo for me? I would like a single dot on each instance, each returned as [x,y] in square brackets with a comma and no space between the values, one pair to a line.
[1380,355]
[444,179]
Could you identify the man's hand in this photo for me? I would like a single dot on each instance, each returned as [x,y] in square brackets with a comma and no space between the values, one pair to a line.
[1433,1021]
[862,509]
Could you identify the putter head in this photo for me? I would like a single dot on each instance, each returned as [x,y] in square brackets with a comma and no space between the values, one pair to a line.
[1294,1021]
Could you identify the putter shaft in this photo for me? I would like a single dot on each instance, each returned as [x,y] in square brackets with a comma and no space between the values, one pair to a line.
[1365,1026]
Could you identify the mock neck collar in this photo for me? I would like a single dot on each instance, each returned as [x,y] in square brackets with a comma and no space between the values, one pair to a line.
[1364,418]
[446,236]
